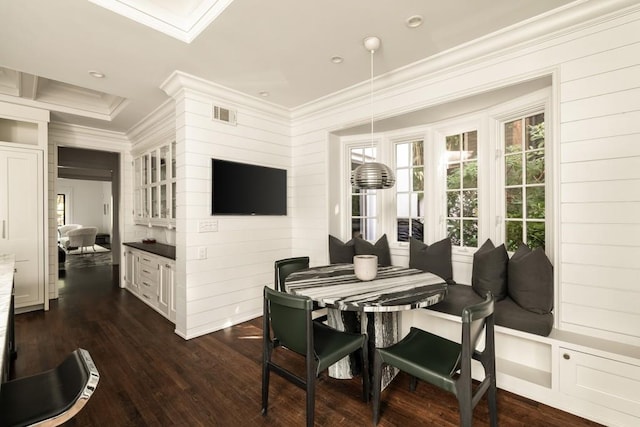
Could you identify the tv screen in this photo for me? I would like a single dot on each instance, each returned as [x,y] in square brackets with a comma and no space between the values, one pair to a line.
[244,189]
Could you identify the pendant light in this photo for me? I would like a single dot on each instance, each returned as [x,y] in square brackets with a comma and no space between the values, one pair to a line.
[372,175]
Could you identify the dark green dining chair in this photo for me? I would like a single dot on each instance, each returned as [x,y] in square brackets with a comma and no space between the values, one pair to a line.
[447,364]
[283,268]
[287,322]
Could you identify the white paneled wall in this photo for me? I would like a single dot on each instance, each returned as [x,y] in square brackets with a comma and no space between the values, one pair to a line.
[594,134]
[600,187]
[226,287]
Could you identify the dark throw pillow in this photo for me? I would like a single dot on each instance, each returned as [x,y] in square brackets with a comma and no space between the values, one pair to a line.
[434,258]
[531,280]
[340,252]
[380,249]
[490,270]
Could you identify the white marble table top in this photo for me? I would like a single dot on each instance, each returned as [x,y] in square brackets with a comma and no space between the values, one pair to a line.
[394,289]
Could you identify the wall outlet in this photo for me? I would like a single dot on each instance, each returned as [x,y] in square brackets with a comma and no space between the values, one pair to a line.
[202,252]
[208,226]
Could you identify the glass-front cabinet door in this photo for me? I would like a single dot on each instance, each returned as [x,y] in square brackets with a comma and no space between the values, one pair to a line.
[155,186]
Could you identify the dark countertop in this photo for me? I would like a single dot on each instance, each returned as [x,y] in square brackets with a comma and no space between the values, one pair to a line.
[161,249]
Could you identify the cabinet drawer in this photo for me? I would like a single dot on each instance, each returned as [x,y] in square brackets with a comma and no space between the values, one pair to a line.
[148,273]
[151,299]
[148,260]
[149,292]
[149,287]
[599,380]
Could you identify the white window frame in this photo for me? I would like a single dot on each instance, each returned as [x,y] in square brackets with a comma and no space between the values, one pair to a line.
[537,102]
[491,206]
[349,143]
[441,130]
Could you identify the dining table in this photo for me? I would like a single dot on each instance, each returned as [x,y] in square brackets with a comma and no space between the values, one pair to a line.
[371,306]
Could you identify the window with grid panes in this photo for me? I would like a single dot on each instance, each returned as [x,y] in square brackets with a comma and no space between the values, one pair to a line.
[524,190]
[462,188]
[410,191]
[364,215]
[61,209]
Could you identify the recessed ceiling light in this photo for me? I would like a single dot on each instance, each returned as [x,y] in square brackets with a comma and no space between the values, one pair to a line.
[96,74]
[263,93]
[337,59]
[414,21]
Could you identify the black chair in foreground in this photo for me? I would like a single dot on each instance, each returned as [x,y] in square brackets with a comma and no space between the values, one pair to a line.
[284,267]
[447,364]
[52,397]
[289,317]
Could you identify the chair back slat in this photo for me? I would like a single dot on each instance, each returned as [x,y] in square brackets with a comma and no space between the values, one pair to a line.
[475,317]
[284,267]
[289,315]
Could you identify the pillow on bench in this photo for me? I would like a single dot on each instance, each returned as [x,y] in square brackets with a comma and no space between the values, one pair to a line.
[380,249]
[434,258]
[531,280]
[339,252]
[490,270]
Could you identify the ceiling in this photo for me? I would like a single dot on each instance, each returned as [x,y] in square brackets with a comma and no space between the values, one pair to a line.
[279,47]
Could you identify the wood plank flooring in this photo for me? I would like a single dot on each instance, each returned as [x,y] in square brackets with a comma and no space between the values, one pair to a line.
[149,376]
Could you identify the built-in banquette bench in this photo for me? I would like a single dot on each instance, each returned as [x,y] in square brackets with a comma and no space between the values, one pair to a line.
[522,285]
[592,377]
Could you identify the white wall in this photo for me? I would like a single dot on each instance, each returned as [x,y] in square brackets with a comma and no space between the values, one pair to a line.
[86,202]
[226,287]
[596,113]
[591,54]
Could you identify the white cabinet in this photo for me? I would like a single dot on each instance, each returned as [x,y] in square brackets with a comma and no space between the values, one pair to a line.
[587,376]
[600,380]
[166,290]
[155,186]
[151,278]
[23,202]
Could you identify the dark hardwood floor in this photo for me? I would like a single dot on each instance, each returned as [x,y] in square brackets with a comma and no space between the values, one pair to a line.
[150,376]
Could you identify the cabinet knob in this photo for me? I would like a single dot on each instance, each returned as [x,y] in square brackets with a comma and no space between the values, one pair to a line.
[566,356]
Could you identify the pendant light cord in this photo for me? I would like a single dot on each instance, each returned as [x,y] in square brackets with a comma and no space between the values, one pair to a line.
[371,98]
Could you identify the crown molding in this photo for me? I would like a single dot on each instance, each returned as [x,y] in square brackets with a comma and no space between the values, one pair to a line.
[557,23]
[180,82]
[71,135]
[160,121]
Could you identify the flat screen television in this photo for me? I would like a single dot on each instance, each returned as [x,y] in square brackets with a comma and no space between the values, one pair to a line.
[244,189]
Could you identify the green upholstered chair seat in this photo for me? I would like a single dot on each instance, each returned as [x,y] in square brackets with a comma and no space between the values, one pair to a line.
[331,345]
[447,364]
[426,356]
[287,323]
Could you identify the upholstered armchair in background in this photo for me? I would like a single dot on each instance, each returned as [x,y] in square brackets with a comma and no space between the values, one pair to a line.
[82,237]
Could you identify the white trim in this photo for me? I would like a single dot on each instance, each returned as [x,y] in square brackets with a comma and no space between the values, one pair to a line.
[184,27]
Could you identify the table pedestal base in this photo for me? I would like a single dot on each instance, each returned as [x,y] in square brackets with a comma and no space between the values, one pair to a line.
[382,329]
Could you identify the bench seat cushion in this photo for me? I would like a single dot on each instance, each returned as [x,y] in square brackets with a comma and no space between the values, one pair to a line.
[511,315]
[507,312]
[458,297]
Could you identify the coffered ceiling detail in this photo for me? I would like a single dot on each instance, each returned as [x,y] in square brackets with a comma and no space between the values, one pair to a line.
[184,19]
[59,96]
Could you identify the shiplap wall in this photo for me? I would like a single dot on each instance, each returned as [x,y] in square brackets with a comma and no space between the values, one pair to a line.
[594,132]
[600,185]
[226,287]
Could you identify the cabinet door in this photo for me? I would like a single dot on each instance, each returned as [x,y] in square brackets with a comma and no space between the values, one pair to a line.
[131,270]
[164,291]
[21,221]
[601,381]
